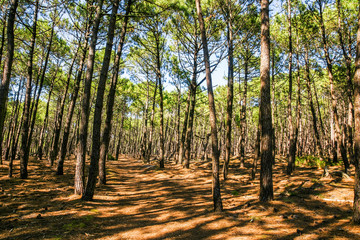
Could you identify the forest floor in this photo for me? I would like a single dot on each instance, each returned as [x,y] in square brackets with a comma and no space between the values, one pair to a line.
[142,202]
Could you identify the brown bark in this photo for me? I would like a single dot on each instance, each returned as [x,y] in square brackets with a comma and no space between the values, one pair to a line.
[4,87]
[230,91]
[350,91]
[84,123]
[111,98]
[42,78]
[218,207]
[24,153]
[96,136]
[191,112]
[319,149]
[291,143]
[183,134]
[356,215]
[337,132]
[44,126]
[266,183]
[74,96]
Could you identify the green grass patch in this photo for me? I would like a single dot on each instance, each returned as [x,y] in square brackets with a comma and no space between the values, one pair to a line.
[80,223]
[310,161]
[234,193]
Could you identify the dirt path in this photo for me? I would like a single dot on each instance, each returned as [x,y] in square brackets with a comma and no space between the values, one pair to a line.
[142,202]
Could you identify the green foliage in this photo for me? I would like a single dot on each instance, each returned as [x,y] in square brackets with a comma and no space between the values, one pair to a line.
[310,161]
[234,193]
[80,223]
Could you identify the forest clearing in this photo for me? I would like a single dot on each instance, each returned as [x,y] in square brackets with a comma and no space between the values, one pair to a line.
[142,201]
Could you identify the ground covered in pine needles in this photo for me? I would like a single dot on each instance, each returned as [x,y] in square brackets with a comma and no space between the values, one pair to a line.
[141,201]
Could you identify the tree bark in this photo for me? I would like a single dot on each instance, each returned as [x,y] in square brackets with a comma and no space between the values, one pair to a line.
[74,96]
[218,207]
[312,108]
[356,215]
[24,152]
[183,134]
[290,165]
[84,123]
[4,88]
[230,90]
[332,92]
[266,183]
[190,118]
[293,144]
[55,149]
[350,91]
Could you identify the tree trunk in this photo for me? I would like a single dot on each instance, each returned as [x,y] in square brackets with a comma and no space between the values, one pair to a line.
[312,109]
[356,216]
[266,183]
[332,92]
[350,90]
[293,143]
[192,94]
[110,103]
[243,124]
[14,122]
[42,78]
[4,88]
[290,165]
[96,137]
[55,149]
[74,96]
[44,126]
[84,123]
[230,91]
[183,134]
[24,152]
[218,207]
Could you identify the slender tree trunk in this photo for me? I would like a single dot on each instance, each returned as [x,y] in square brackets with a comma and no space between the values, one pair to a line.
[332,92]
[74,96]
[151,133]
[356,216]
[178,124]
[14,121]
[120,136]
[96,137]
[183,134]
[230,91]
[159,79]
[24,153]
[42,78]
[55,149]
[290,124]
[243,106]
[189,132]
[257,151]
[312,108]
[44,126]
[218,207]
[266,183]
[192,94]
[84,123]
[4,88]
[293,143]
[145,130]
[350,91]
